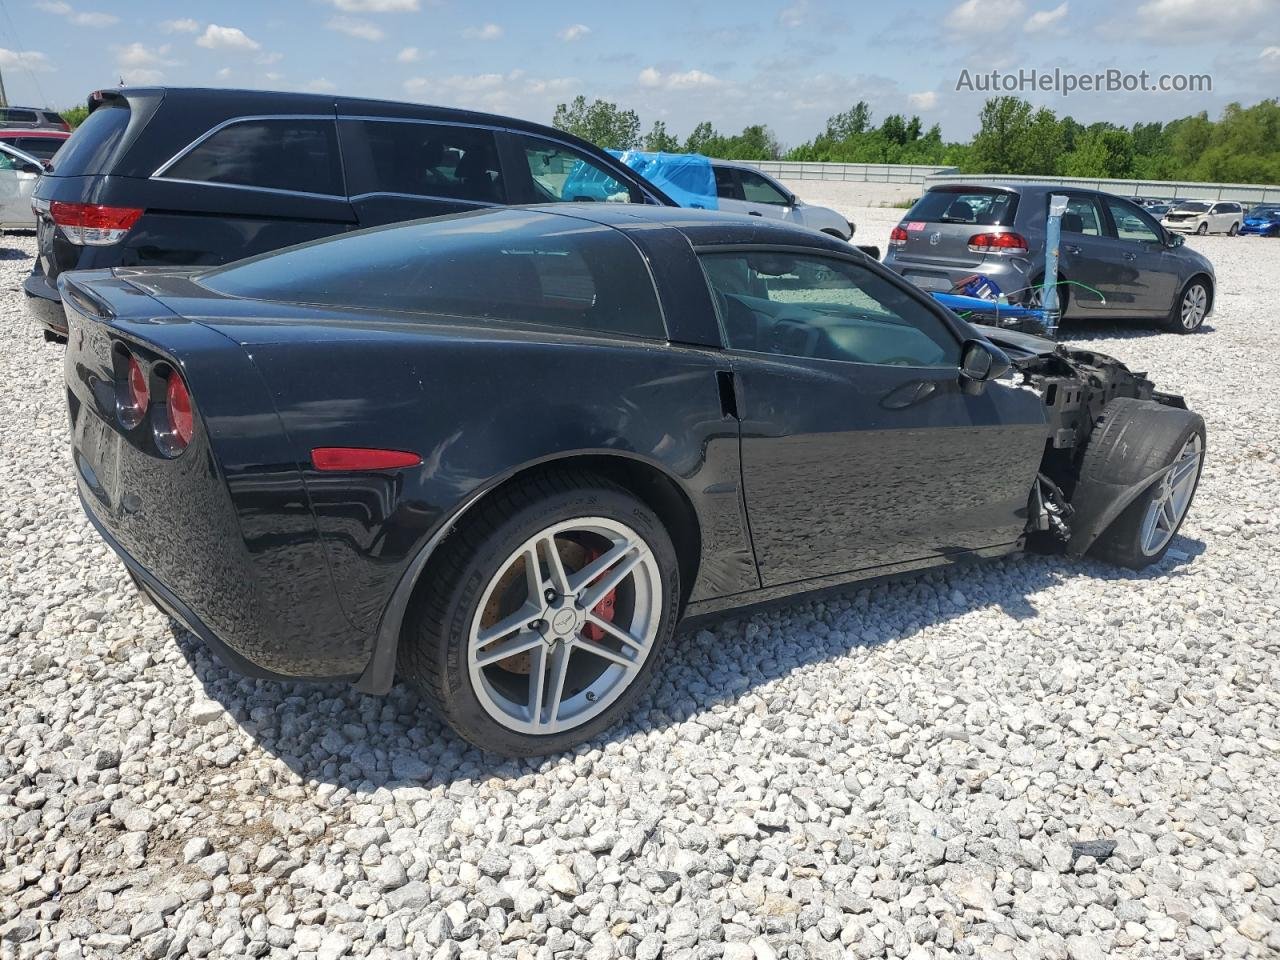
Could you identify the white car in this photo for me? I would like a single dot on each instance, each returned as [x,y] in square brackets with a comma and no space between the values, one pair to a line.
[742,188]
[1204,216]
[19,172]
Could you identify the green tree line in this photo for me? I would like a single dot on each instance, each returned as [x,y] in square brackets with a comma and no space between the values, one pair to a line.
[1241,146]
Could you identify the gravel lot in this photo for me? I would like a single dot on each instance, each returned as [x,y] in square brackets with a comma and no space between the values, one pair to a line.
[1036,758]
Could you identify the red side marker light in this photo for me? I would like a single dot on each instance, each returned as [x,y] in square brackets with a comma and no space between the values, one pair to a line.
[361,458]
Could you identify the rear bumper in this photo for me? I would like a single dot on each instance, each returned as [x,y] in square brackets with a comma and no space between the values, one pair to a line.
[44,306]
[1010,275]
[168,601]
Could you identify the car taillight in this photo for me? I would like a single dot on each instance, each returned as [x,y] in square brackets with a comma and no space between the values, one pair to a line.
[175,429]
[897,237]
[134,396]
[93,224]
[998,243]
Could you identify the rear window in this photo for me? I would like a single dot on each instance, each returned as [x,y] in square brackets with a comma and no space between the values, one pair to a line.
[50,117]
[297,155]
[519,266]
[93,143]
[987,208]
[9,115]
[40,147]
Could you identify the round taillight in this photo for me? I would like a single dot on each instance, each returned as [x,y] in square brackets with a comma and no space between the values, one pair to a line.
[175,433]
[134,396]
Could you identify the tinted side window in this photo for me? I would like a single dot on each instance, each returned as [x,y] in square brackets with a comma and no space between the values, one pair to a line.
[1131,224]
[756,189]
[1082,216]
[513,265]
[824,309]
[430,160]
[295,155]
[8,115]
[561,173]
[50,117]
[727,187]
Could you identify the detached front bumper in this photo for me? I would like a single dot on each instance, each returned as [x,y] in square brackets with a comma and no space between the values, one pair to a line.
[1186,226]
[44,305]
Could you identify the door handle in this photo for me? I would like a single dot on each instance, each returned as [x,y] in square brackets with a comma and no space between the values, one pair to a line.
[1131,256]
[1071,248]
[754,213]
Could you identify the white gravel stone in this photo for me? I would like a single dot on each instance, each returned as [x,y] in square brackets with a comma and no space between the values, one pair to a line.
[898,770]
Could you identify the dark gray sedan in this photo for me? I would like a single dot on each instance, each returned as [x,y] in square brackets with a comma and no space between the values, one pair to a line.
[1115,259]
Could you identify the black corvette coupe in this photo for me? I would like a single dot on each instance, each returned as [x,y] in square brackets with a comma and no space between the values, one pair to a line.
[505,452]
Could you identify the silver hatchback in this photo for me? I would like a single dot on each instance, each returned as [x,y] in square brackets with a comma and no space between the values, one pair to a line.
[1115,260]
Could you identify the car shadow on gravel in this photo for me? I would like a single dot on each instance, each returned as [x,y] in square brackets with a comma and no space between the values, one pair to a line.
[331,734]
[12,253]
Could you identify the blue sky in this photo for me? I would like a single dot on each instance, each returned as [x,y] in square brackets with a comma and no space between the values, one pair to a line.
[789,63]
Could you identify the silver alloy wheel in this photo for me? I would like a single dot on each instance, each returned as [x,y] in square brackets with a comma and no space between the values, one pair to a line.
[1172,498]
[1194,305]
[543,644]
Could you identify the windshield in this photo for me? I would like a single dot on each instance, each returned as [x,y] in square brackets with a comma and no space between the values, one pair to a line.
[1191,208]
[1265,210]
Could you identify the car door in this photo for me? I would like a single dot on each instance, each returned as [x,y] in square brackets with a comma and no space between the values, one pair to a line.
[1155,271]
[1087,258]
[11,192]
[763,198]
[1218,218]
[403,169]
[859,447]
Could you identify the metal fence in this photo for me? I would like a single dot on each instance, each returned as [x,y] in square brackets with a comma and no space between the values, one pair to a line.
[1180,190]
[927,176]
[861,172]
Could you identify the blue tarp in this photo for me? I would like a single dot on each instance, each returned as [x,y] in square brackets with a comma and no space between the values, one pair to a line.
[687,178]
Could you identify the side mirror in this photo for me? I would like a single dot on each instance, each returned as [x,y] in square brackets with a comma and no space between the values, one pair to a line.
[1175,239]
[31,168]
[980,362]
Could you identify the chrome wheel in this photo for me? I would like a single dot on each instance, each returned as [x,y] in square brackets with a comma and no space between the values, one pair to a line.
[565,625]
[1173,496]
[1195,303]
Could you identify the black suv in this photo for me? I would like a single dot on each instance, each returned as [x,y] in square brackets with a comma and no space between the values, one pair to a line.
[159,176]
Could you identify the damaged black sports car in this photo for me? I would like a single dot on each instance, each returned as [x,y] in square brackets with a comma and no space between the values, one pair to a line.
[501,454]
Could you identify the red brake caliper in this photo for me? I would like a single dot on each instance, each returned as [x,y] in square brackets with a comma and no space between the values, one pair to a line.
[603,609]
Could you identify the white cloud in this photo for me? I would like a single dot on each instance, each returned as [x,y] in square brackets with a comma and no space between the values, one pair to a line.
[982,16]
[1044,19]
[227,38]
[274,77]
[573,32]
[408,55]
[269,58]
[138,54]
[376,6]
[512,93]
[360,29]
[688,80]
[85,19]
[24,59]
[322,85]
[141,77]
[1270,58]
[489,31]
[794,15]
[184,25]
[1194,20]
[926,100]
